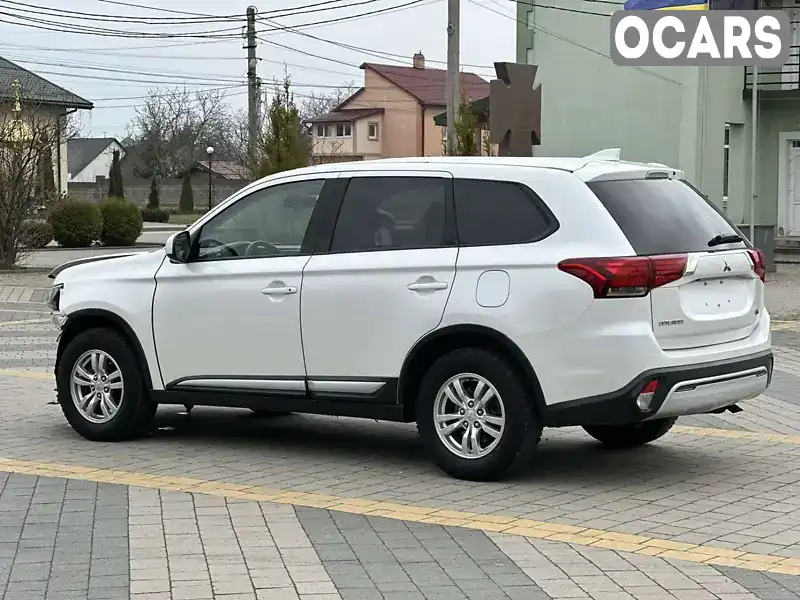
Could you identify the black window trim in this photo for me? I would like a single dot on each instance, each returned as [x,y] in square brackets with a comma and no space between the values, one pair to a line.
[315,222]
[325,238]
[550,219]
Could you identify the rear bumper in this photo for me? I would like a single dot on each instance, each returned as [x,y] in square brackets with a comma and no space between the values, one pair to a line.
[683,390]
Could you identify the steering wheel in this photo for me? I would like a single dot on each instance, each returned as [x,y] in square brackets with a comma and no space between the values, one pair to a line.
[213,243]
[260,247]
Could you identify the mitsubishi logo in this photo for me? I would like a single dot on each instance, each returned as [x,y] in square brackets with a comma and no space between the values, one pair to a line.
[726,268]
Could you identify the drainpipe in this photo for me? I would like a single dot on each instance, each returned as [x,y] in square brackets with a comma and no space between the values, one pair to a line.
[422,109]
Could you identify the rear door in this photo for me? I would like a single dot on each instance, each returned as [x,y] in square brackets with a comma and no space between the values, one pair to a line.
[720,297]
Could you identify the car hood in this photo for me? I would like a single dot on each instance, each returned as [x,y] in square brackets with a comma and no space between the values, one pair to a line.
[112,264]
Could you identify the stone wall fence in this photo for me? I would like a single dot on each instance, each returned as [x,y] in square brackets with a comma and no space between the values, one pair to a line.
[138,191]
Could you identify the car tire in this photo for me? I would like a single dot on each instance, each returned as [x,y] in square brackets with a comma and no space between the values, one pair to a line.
[630,436]
[134,411]
[518,436]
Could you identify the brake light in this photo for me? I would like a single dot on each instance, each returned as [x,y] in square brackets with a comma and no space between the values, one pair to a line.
[759,264]
[627,276]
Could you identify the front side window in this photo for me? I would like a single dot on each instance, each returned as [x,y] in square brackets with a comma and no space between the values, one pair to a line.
[391,213]
[343,130]
[321,131]
[373,131]
[269,222]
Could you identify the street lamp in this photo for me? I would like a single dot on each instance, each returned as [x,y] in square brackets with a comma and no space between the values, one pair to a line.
[210,152]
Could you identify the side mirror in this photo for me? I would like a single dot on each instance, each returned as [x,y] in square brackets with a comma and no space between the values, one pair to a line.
[178,247]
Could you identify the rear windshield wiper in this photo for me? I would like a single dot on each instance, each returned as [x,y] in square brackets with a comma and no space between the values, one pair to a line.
[724,239]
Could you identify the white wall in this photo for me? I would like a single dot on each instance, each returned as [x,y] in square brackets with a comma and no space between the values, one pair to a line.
[100,166]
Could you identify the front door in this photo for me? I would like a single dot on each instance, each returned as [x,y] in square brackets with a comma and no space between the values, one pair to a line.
[381,284]
[793,197]
[230,318]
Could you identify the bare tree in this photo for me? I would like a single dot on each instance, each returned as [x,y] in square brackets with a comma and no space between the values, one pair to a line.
[173,127]
[316,104]
[27,143]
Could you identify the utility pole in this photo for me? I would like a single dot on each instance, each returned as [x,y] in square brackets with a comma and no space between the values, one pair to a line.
[253,86]
[453,91]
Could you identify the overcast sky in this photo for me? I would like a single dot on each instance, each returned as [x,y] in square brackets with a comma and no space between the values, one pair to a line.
[65,58]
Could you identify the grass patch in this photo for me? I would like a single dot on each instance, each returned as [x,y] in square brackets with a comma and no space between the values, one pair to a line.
[183,219]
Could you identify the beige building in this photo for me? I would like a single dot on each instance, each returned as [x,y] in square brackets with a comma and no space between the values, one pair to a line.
[391,116]
[40,98]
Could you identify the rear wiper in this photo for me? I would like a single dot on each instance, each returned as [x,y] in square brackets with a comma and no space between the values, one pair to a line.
[724,239]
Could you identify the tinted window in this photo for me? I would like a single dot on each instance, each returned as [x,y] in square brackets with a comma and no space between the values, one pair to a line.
[268,222]
[380,213]
[663,216]
[498,212]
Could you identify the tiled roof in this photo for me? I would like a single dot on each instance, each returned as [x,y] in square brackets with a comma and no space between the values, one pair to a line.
[346,114]
[82,151]
[225,169]
[35,89]
[428,85]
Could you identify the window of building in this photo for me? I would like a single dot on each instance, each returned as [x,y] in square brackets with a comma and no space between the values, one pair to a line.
[391,213]
[344,130]
[322,130]
[727,149]
[372,131]
[499,212]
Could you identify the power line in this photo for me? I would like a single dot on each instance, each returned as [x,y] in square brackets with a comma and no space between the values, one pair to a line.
[565,39]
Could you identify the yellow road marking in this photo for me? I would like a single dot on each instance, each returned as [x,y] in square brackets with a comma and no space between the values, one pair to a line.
[28,322]
[27,374]
[599,538]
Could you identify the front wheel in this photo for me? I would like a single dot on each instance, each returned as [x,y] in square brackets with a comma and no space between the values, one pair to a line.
[101,388]
[630,436]
[475,416]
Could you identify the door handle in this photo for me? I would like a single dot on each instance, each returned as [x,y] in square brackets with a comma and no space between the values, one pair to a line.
[428,286]
[279,291]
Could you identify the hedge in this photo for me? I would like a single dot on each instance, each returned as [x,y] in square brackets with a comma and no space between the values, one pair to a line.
[122,222]
[155,215]
[76,224]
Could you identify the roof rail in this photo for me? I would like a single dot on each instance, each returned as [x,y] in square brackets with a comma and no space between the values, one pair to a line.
[607,154]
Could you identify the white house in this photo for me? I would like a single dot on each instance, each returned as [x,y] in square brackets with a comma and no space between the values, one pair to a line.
[90,158]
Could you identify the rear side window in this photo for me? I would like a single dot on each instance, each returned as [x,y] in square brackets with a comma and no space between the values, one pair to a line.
[499,212]
[664,216]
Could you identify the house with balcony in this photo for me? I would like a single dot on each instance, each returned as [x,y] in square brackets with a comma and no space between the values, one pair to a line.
[697,119]
[392,115]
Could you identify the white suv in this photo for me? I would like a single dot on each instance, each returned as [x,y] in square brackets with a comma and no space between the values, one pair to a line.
[483,298]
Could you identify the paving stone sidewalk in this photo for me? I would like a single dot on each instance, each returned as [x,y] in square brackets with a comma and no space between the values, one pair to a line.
[72,540]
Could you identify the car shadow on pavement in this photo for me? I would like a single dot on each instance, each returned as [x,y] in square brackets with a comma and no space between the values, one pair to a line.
[565,460]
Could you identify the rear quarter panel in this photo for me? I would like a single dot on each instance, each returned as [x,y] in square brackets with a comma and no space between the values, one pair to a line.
[544,306]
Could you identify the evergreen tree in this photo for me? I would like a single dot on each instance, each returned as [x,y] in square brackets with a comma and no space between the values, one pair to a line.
[154,199]
[186,205]
[283,146]
[467,131]
[115,178]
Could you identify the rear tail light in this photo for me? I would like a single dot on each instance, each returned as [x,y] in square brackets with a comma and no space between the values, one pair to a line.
[645,398]
[627,276]
[759,264]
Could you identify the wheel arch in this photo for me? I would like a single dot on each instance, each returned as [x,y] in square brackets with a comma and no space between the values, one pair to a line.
[441,341]
[88,318]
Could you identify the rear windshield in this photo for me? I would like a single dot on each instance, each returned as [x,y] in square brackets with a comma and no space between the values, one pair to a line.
[664,216]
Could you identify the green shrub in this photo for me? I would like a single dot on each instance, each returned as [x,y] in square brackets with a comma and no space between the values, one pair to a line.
[186,205]
[36,234]
[76,224]
[155,196]
[155,215]
[122,222]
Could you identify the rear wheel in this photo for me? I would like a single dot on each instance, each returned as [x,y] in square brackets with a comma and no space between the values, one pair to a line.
[101,388]
[475,415]
[630,436]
